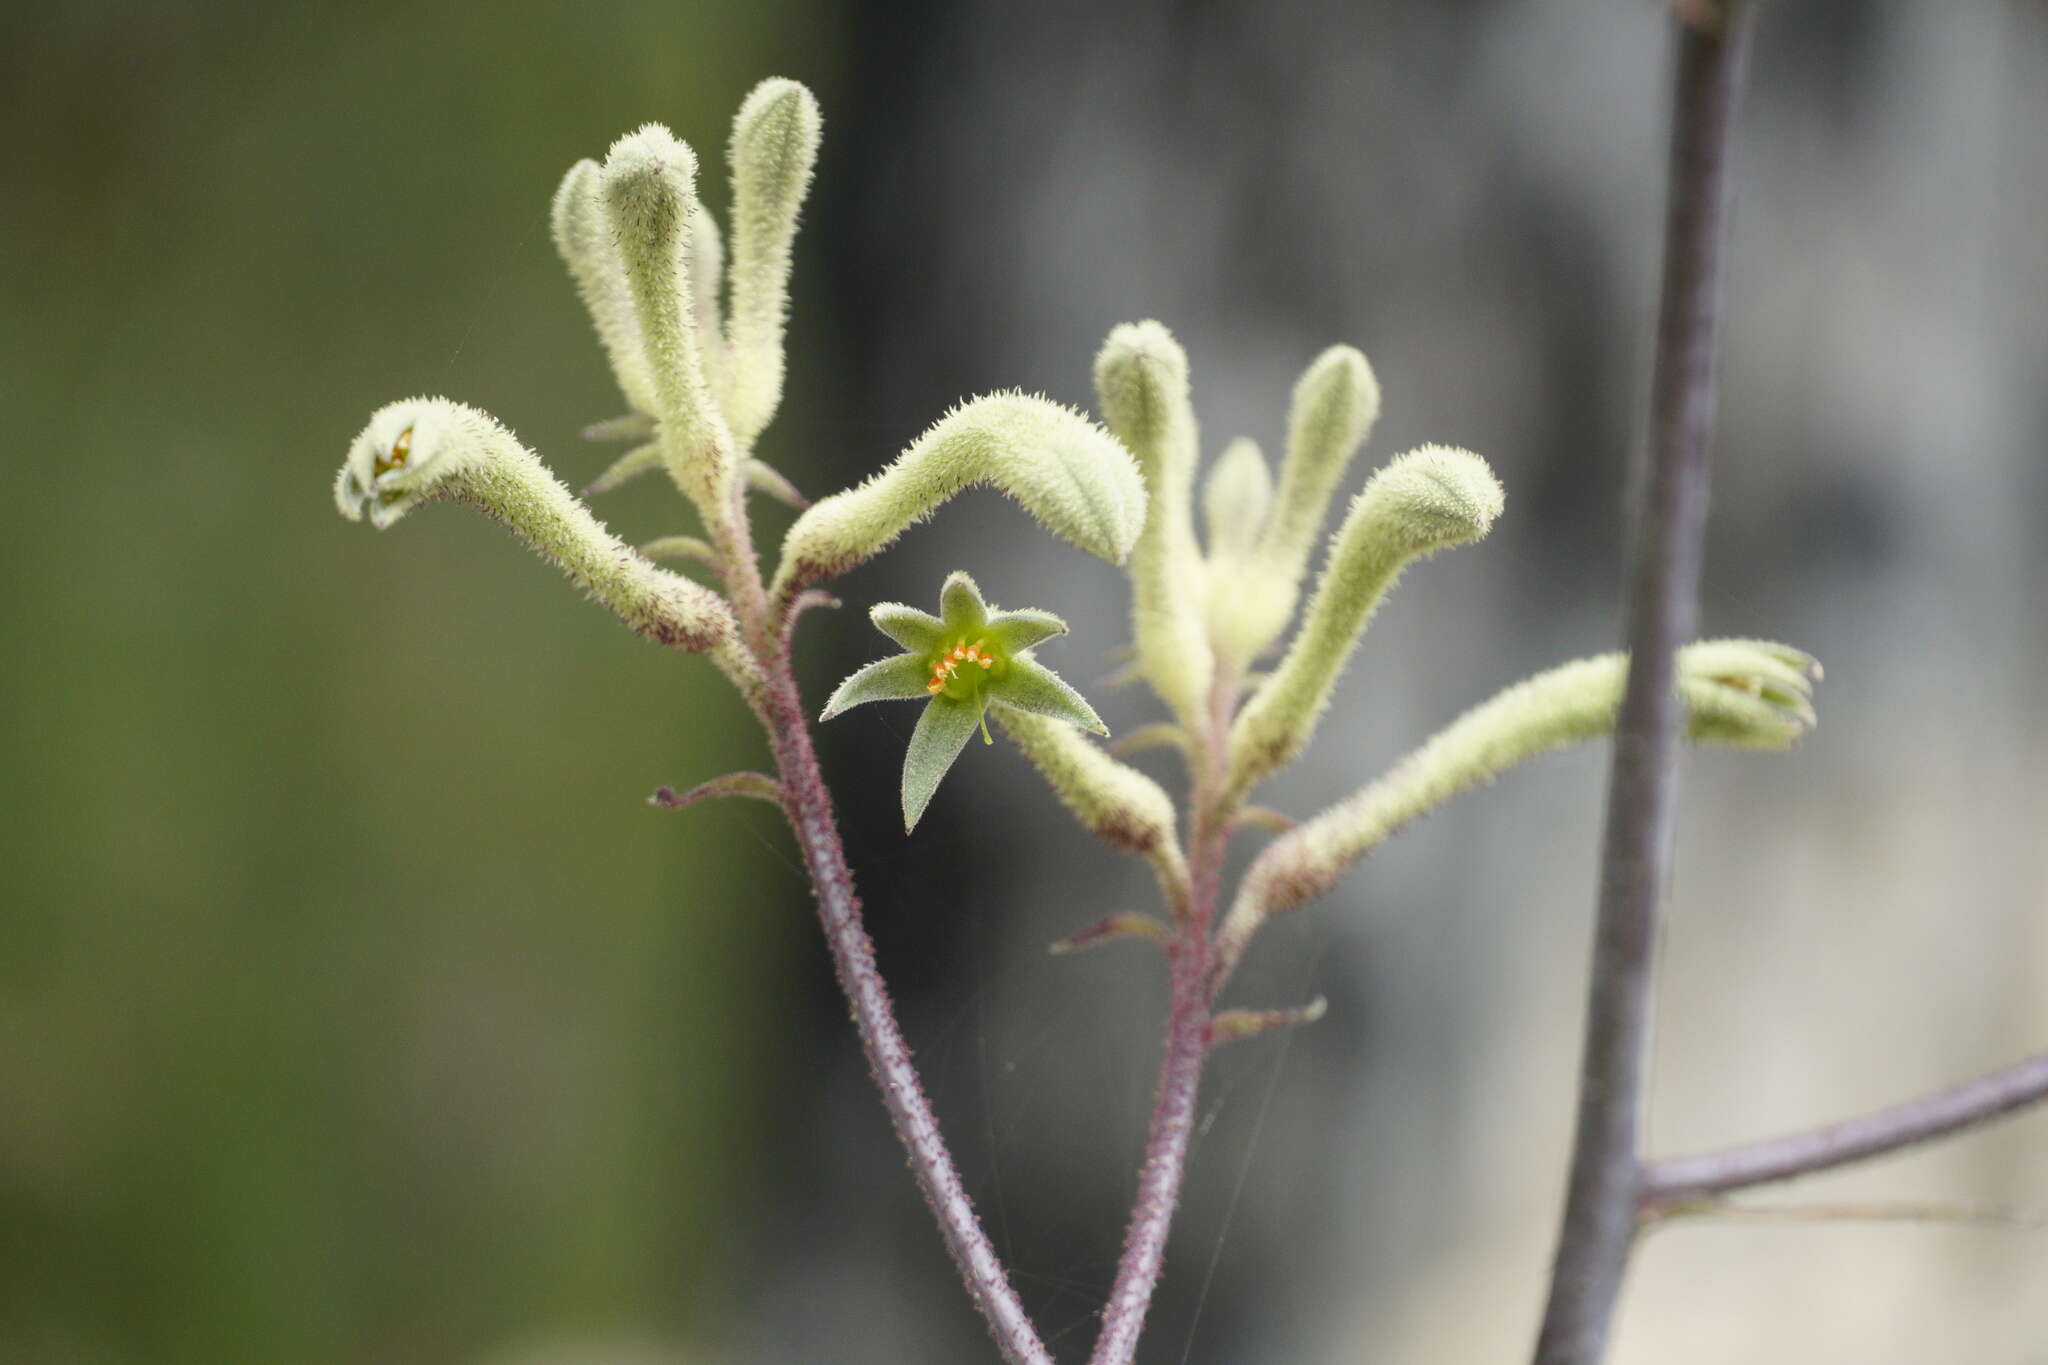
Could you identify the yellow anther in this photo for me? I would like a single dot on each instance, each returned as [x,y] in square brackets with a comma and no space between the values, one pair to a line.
[401,451]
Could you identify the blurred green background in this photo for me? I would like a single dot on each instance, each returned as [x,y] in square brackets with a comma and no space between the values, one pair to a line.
[354,1006]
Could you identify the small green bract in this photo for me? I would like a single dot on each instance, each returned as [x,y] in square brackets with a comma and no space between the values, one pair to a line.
[969,655]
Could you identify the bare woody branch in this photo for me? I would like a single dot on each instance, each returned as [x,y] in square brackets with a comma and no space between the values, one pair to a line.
[1908,1124]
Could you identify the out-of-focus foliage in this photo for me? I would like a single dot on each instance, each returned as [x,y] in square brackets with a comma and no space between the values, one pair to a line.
[340,1019]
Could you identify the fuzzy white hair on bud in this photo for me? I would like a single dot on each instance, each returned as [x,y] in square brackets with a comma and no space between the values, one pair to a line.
[648,185]
[774,148]
[1070,474]
[1141,382]
[1426,500]
[1747,694]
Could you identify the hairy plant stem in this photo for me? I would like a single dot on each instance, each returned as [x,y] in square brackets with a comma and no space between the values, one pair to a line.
[1600,1218]
[808,803]
[1190,996]
[1672,1181]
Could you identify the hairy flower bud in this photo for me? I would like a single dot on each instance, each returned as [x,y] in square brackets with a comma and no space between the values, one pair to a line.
[1749,694]
[1336,401]
[1424,501]
[649,187]
[1141,380]
[583,236]
[424,450]
[1069,473]
[774,147]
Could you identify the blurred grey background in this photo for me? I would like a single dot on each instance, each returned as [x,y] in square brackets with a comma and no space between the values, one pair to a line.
[353,1006]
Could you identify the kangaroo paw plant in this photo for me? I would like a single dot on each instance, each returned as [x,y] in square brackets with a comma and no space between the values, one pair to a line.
[692,323]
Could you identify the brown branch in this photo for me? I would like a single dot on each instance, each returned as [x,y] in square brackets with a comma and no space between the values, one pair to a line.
[1192,993]
[1599,1223]
[1673,1180]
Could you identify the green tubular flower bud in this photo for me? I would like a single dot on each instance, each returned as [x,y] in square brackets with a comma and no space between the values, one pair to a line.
[707,278]
[1336,402]
[649,187]
[774,147]
[1069,473]
[583,236]
[1424,501]
[1742,693]
[425,450]
[1141,381]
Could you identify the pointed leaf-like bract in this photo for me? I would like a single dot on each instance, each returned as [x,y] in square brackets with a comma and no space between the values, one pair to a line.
[1743,693]
[901,677]
[941,733]
[774,147]
[915,630]
[1018,630]
[649,187]
[423,450]
[1422,502]
[1141,382]
[641,459]
[1068,472]
[1031,686]
[758,786]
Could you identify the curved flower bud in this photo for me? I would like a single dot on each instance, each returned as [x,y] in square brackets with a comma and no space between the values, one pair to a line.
[1069,473]
[1336,402]
[1141,381]
[583,236]
[959,662]
[774,147]
[1422,502]
[1743,693]
[1112,800]
[649,188]
[424,450]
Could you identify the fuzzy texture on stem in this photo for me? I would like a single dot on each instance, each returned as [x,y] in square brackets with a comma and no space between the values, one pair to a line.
[1599,1223]
[1675,1180]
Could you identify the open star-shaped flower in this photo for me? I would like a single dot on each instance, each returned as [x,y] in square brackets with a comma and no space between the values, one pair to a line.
[960,661]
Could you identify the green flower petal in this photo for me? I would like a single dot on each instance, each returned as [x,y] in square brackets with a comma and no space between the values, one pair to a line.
[1014,631]
[901,677]
[961,603]
[1033,687]
[941,734]
[917,631]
